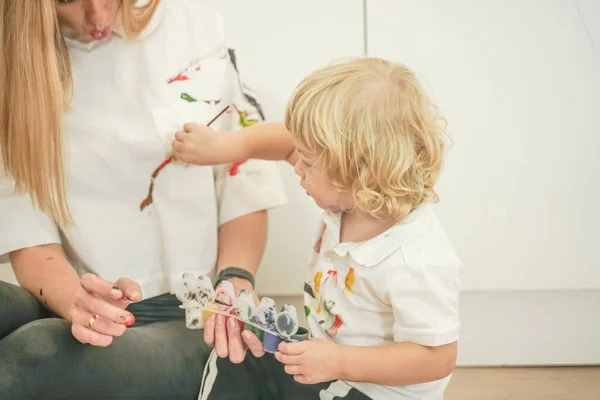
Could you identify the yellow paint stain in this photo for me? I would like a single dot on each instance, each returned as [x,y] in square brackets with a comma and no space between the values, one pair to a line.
[317,279]
[350,280]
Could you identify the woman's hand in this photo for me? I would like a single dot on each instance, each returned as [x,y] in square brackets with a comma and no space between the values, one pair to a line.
[200,145]
[98,313]
[226,336]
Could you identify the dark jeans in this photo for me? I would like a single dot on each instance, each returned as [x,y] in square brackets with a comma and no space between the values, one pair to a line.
[157,358]
[265,378]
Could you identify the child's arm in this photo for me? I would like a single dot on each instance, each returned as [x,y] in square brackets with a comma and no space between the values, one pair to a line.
[198,144]
[269,141]
[398,364]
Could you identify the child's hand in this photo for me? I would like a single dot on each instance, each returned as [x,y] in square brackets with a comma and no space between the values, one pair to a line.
[200,145]
[312,361]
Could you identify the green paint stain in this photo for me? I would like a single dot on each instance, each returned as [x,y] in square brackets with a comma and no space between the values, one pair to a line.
[307,310]
[188,98]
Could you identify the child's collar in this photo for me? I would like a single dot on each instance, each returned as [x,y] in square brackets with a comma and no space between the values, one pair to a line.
[373,251]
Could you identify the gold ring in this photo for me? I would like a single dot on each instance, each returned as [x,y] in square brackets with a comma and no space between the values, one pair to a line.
[92,320]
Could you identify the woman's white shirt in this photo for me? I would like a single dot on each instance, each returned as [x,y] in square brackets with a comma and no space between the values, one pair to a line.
[130,96]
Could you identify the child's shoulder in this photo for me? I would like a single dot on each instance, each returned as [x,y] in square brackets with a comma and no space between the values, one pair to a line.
[423,264]
[421,242]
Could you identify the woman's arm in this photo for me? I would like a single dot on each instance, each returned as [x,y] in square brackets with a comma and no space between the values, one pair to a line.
[47,274]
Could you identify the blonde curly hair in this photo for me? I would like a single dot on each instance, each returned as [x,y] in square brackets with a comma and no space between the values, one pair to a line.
[380,136]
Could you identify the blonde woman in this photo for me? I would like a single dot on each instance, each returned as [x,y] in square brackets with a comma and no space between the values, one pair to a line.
[92,92]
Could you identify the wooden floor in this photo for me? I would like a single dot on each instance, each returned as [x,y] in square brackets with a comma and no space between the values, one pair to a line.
[578,383]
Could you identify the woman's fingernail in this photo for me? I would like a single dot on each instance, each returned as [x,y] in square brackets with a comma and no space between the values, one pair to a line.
[232,323]
[130,320]
[135,295]
[220,319]
[246,335]
[116,292]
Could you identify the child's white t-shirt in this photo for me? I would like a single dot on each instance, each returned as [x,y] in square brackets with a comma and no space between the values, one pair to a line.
[400,286]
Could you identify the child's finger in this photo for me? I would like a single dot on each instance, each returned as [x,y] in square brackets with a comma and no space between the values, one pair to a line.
[190,127]
[177,146]
[179,135]
[301,379]
[292,369]
[287,359]
[291,348]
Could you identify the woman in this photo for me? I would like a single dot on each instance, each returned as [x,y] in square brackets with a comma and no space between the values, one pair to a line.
[116,79]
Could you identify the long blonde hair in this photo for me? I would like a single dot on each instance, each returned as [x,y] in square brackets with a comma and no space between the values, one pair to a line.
[35,87]
[380,135]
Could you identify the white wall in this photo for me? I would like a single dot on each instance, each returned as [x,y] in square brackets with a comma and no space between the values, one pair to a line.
[519,82]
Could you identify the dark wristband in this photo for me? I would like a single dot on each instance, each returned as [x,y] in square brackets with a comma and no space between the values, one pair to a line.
[234,272]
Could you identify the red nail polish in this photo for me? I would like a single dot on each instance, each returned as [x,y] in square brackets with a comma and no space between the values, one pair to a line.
[130,320]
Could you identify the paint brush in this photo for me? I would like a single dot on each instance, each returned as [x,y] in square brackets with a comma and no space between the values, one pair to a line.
[148,200]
